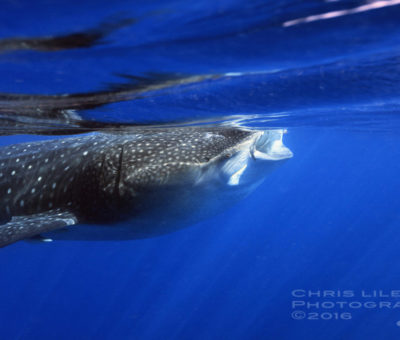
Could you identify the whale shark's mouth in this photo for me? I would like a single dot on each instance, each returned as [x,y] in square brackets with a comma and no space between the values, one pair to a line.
[269,146]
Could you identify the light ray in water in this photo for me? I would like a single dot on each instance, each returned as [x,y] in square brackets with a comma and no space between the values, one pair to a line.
[343,12]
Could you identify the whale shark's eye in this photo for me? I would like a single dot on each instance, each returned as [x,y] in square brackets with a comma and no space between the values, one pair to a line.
[228,155]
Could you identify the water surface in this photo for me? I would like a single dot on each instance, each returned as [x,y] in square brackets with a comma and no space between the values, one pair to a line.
[328,71]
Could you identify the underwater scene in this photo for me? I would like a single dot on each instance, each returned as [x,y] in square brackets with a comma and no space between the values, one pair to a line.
[200,170]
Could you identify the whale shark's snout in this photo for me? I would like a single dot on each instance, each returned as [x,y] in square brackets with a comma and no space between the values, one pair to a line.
[257,157]
[269,146]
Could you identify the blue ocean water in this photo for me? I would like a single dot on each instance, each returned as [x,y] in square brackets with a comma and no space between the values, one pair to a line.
[325,223]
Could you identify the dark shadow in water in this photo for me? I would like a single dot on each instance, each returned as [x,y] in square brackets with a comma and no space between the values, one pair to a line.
[59,114]
[81,39]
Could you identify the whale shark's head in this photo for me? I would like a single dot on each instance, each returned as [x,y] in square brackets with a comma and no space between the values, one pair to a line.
[194,157]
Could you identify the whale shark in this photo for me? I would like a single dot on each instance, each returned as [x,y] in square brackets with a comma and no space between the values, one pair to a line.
[130,183]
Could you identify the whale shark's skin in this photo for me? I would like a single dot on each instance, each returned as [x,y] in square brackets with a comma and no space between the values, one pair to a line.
[133,183]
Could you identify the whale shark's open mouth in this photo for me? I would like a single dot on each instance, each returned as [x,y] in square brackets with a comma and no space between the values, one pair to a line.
[269,146]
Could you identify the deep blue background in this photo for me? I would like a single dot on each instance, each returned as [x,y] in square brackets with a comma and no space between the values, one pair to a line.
[328,219]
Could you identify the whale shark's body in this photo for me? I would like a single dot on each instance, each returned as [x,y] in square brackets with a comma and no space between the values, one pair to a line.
[133,183]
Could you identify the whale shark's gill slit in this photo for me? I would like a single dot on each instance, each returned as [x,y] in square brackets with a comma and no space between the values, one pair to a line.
[252,150]
[119,174]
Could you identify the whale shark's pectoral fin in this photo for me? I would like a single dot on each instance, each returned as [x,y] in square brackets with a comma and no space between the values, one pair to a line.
[28,226]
